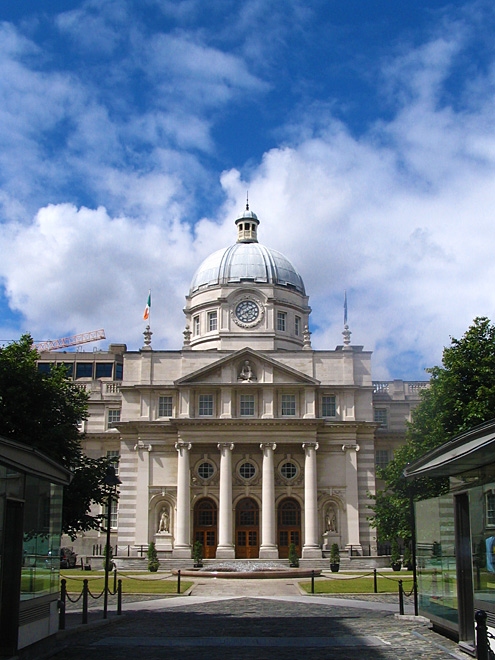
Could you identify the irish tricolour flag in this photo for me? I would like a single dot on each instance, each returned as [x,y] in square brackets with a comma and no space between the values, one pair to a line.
[148,307]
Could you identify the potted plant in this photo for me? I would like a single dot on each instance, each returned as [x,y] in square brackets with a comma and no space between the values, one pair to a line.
[293,558]
[334,558]
[153,562]
[111,564]
[395,560]
[198,554]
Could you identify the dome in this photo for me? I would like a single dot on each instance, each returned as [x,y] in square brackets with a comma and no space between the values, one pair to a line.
[247,260]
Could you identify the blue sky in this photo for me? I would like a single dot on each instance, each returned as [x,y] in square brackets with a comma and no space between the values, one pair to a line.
[364,132]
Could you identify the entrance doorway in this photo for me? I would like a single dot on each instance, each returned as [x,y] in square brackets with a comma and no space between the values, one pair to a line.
[247,529]
[205,526]
[289,527]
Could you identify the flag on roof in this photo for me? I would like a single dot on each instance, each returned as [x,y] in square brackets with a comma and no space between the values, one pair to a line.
[148,307]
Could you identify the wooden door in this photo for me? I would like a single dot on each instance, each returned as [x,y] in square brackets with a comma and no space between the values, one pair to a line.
[205,526]
[289,527]
[247,543]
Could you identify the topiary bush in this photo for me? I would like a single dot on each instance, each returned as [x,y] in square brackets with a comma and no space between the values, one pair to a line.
[153,562]
[293,558]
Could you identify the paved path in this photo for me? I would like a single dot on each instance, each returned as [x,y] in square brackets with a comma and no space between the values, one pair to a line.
[251,619]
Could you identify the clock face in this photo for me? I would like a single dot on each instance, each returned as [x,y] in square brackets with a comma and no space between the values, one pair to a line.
[247,311]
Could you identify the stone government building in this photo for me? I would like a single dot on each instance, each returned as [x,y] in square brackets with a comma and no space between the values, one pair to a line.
[246,439]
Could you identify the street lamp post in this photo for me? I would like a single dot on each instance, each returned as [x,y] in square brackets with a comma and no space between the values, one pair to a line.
[112,481]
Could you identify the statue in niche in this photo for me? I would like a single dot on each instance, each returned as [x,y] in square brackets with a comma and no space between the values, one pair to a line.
[246,373]
[163,525]
[331,520]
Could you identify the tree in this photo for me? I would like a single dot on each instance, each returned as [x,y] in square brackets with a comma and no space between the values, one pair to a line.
[461,395]
[44,411]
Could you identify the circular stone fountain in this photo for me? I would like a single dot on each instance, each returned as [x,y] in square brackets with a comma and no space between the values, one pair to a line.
[250,570]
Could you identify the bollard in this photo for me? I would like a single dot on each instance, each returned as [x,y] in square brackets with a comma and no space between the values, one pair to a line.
[178,581]
[312,582]
[401,598]
[482,646]
[415,591]
[375,581]
[85,601]
[61,614]
[115,580]
[119,598]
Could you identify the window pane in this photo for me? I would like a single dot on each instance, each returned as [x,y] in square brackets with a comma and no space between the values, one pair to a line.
[381,416]
[119,371]
[288,404]
[84,370]
[114,457]
[247,470]
[44,367]
[382,458]
[165,406]
[212,321]
[206,470]
[113,416]
[288,470]
[281,321]
[69,368]
[297,327]
[206,405]
[104,370]
[247,405]
[328,408]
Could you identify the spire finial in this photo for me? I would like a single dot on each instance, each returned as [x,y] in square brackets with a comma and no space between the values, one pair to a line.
[247,200]
[347,333]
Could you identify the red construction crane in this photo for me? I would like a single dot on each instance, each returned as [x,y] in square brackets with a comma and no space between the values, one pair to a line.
[65,342]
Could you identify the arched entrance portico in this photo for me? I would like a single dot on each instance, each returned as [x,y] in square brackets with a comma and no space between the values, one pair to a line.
[205,526]
[247,529]
[289,527]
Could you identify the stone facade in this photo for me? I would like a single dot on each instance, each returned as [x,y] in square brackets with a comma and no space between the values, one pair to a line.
[246,439]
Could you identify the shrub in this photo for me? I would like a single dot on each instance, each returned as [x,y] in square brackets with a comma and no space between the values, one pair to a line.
[293,558]
[153,562]
[198,552]
[395,560]
[335,554]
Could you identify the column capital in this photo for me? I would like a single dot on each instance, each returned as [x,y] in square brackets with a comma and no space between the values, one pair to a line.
[310,445]
[350,447]
[141,445]
[183,445]
[268,445]
[225,445]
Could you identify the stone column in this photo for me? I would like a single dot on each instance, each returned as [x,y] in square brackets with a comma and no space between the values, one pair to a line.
[352,497]
[311,548]
[143,451]
[225,548]
[182,546]
[268,548]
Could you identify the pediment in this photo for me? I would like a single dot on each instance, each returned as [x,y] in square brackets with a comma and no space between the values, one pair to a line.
[246,367]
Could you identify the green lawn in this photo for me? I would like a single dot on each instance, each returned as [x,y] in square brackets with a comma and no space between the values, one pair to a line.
[137,584]
[360,585]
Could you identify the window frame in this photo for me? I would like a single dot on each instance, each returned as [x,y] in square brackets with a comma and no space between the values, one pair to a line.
[284,399]
[281,321]
[297,325]
[381,409]
[161,405]
[323,404]
[212,321]
[110,412]
[196,326]
[241,402]
[201,403]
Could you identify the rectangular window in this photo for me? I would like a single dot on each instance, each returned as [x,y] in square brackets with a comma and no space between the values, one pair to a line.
[103,370]
[297,326]
[247,405]
[196,326]
[288,405]
[490,509]
[165,406]
[113,416]
[84,370]
[382,458]
[114,458]
[281,321]
[44,367]
[381,417]
[69,368]
[212,321]
[119,371]
[206,405]
[328,406]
